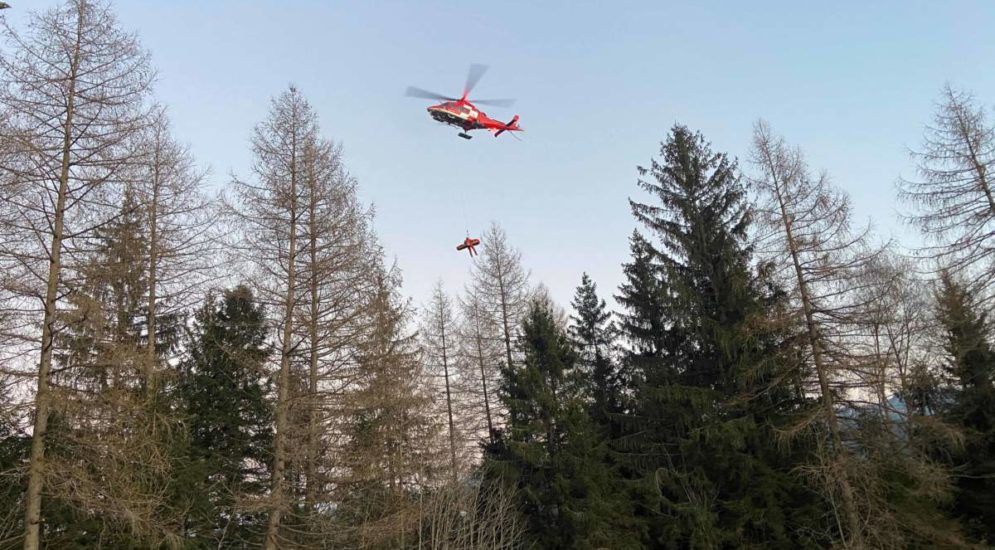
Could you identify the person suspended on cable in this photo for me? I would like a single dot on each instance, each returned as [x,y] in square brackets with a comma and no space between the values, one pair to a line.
[469,244]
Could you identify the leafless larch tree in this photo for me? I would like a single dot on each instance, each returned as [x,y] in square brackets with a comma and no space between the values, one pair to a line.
[178,225]
[271,212]
[953,198]
[338,253]
[440,354]
[479,360]
[805,232]
[74,93]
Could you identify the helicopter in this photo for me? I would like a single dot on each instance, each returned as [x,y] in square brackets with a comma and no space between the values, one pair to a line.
[460,112]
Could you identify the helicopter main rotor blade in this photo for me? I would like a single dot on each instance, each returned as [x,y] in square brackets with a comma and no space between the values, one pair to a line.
[425,94]
[495,102]
[476,72]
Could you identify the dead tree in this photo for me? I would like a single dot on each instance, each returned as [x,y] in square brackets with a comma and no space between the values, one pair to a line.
[178,224]
[110,459]
[806,235]
[503,285]
[391,451]
[335,263]
[270,213]
[479,358]
[953,200]
[77,84]
[439,350]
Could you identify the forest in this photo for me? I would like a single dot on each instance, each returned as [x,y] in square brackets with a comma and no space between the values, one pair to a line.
[189,367]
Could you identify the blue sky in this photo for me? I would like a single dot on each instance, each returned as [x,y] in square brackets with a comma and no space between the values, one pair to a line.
[598,85]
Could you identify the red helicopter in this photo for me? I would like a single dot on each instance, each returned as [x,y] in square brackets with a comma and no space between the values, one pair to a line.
[463,114]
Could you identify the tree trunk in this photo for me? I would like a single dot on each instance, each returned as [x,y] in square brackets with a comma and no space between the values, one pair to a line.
[36,475]
[504,319]
[483,381]
[311,468]
[979,167]
[849,502]
[153,212]
[283,391]
[449,399]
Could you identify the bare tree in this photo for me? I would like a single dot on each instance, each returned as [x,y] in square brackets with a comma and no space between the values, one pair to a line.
[110,459]
[177,224]
[470,516]
[896,328]
[503,285]
[75,89]
[500,291]
[806,235]
[954,201]
[335,264]
[479,357]
[439,349]
[271,213]
[391,452]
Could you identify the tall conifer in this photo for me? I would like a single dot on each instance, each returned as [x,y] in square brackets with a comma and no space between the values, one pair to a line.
[549,448]
[593,334]
[223,391]
[971,368]
[702,433]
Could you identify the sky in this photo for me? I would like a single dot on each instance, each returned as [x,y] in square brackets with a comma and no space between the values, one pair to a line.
[598,84]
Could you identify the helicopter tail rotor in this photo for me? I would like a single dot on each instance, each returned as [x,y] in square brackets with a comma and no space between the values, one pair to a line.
[513,126]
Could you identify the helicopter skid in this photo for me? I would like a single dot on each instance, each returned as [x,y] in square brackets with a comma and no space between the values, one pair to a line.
[465,136]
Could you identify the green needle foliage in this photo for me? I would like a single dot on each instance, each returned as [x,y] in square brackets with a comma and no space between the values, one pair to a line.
[550,449]
[971,368]
[701,440]
[593,335]
[223,391]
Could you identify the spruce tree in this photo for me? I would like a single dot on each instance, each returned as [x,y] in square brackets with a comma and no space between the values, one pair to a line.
[14,446]
[643,297]
[593,334]
[712,386]
[971,367]
[549,448]
[223,391]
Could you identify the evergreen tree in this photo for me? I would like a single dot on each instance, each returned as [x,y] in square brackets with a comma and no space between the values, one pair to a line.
[223,390]
[549,448]
[593,334]
[971,367]
[14,447]
[712,386]
[643,296]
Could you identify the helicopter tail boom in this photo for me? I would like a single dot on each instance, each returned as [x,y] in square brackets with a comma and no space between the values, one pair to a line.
[513,126]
